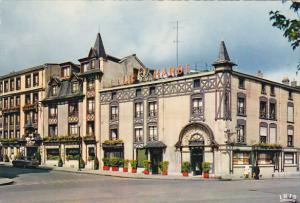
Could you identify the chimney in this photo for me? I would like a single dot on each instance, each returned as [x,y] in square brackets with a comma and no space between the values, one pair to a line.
[286,80]
[259,74]
[294,83]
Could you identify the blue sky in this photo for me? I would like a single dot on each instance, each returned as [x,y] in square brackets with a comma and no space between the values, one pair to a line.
[33,33]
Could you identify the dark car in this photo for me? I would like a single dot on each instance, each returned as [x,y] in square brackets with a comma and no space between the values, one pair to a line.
[25,162]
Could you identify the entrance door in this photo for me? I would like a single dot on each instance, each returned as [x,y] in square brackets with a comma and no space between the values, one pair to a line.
[196,160]
[156,158]
[31,152]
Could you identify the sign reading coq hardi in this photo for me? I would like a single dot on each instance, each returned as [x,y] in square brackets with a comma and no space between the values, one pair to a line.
[144,74]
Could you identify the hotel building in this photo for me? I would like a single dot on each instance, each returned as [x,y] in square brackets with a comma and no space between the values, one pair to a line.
[120,108]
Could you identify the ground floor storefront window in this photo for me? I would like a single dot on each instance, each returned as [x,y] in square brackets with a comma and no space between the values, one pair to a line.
[52,154]
[111,152]
[265,158]
[72,153]
[91,153]
[141,156]
[241,158]
[289,158]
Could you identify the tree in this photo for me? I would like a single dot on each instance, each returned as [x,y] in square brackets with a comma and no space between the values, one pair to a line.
[290,27]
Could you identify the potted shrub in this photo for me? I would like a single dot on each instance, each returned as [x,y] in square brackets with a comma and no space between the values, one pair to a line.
[96,163]
[185,167]
[206,169]
[133,164]
[164,168]
[60,162]
[6,159]
[146,164]
[106,163]
[125,165]
[115,163]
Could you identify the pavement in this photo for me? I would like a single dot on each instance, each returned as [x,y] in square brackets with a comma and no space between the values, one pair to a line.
[6,181]
[48,185]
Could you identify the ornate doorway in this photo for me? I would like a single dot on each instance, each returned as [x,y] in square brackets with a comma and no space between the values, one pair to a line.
[196,144]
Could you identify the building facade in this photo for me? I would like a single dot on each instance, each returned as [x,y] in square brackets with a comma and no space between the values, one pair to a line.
[106,107]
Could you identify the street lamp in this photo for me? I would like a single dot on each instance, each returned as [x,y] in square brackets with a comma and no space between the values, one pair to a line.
[79,157]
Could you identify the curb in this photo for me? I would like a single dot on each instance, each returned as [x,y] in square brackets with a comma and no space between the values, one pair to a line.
[6,181]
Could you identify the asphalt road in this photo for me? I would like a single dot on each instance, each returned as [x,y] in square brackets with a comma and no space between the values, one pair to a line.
[36,185]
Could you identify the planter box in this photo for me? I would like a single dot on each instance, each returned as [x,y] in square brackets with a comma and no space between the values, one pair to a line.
[164,173]
[133,170]
[205,175]
[146,172]
[125,169]
[115,168]
[106,168]
[185,174]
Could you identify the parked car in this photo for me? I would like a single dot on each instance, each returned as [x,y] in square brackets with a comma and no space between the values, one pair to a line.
[25,162]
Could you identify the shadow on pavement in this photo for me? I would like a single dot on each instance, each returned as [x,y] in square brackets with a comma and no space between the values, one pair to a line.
[13,172]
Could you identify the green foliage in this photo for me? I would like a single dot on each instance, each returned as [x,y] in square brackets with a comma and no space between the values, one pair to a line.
[60,162]
[133,163]
[52,157]
[268,146]
[115,161]
[163,166]
[37,156]
[146,164]
[113,142]
[106,161]
[185,167]
[72,157]
[81,163]
[96,163]
[6,159]
[125,163]
[206,167]
[61,138]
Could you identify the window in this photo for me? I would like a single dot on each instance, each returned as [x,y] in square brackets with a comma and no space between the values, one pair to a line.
[152,133]
[91,84]
[52,130]
[197,106]
[5,103]
[138,135]
[35,117]
[35,79]
[11,102]
[17,119]
[290,112]
[290,138]
[66,72]
[91,153]
[75,87]
[28,120]
[241,106]
[263,88]
[90,128]
[11,134]
[90,106]
[18,83]
[28,81]
[272,90]
[241,158]
[72,153]
[138,92]
[273,134]
[138,110]
[1,87]
[27,99]
[73,129]
[12,85]
[152,90]
[114,135]
[54,90]
[6,86]
[18,102]
[17,133]
[289,158]
[35,98]
[272,110]
[113,95]
[93,64]
[265,158]
[196,83]
[263,133]
[290,95]
[241,133]
[241,83]
[11,120]
[263,109]
[152,109]
[114,112]
[53,154]
[141,155]
[73,109]
[52,111]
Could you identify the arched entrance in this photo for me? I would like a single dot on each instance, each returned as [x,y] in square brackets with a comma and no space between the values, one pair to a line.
[194,141]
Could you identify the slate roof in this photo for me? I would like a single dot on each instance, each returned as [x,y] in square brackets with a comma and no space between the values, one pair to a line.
[223,57]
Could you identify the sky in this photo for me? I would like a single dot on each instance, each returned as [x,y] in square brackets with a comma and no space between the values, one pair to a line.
[35,32]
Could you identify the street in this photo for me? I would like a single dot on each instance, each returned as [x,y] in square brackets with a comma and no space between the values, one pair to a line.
[36,185]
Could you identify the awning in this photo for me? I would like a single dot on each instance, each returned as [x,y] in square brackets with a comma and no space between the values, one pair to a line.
[155,144]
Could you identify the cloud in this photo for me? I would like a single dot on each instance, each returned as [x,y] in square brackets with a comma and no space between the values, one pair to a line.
[37,32]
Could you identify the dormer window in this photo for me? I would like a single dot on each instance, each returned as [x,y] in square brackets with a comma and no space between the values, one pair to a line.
[152,90]
[241,83]
[93,64]
[113,95]
[263,88]
[54,90]
[18,83]
[272,90]
[196,83]
[12,85]
[28,81]
[66,72]
[138,92]
[75,87]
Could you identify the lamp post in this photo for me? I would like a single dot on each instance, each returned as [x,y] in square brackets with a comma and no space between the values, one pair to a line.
[79,157]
